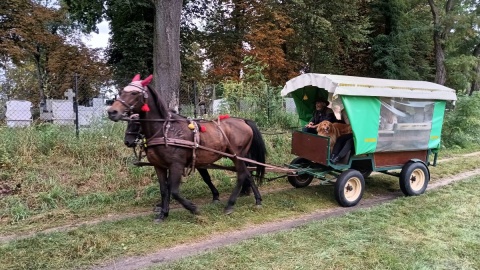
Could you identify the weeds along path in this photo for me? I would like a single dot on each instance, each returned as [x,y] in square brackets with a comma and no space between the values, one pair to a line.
[117,217]
[220,240]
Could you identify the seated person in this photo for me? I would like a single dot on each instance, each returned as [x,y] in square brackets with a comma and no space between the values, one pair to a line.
[342,146]
[343,118]
[344,143]
[387,119]
[321,113]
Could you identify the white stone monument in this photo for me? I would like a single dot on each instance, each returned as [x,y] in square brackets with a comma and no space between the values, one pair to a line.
[18,113]
[62,110]
[290,105]
[218,105]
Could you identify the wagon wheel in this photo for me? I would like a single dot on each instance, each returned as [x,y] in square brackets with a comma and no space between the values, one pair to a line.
[349,188]
[414,178]
[301,180]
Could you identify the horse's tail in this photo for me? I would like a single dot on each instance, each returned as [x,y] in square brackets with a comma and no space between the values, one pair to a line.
[257,150]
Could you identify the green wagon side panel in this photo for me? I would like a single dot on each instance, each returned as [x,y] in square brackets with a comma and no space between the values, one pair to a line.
[305,108]
[364,114]
[437,123]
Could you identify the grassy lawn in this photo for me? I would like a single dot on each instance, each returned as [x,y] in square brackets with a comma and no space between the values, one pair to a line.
[139,235]
[79,186]
[439,230]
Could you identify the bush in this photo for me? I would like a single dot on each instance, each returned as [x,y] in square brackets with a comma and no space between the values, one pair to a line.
[461,128]
[254,98]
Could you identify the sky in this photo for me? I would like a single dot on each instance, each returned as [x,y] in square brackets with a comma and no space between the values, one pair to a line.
[99,40]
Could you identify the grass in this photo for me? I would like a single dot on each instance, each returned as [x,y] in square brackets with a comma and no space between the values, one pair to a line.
[139,235]
[439,230]
[90,178]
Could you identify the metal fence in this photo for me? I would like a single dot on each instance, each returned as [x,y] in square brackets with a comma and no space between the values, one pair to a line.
[83,101]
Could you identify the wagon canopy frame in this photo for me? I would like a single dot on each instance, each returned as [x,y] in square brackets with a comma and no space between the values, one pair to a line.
[372,105]
[362,86]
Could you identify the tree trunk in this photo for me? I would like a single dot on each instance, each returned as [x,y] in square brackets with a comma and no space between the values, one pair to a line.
[439,36]
[441,72]
[166,50]
[476,79]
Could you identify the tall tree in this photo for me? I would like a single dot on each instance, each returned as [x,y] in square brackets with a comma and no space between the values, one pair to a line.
[167,50]
[269,30]
[130,49]
[327,34]
[145,38]
[475,84]
[43,39]
[401,42]
[442,26]
[240,28]
[456,35]
[225,32]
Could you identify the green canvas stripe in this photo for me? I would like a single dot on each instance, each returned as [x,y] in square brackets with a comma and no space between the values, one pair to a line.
[437,123]
[364,114]
[306,107]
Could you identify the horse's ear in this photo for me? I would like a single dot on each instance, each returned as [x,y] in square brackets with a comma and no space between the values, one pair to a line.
[147,80]
[136,78]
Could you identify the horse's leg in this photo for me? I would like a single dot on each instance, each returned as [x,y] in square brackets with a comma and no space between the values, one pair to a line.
[163,207]
[243,175]
[174,180]
[245,189]
[208,180]
[256,192]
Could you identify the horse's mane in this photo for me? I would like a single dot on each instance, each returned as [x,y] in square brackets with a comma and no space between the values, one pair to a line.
[160,104]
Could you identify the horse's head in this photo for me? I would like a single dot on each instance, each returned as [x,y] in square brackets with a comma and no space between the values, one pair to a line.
[132,99]
[132,134]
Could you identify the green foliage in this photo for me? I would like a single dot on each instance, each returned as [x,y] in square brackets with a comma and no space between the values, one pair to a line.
[16,208]
[255,99]
[327,34]
[462,125]
[403,47]
[461,72]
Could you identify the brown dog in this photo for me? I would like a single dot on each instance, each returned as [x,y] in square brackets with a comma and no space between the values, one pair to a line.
[333,131]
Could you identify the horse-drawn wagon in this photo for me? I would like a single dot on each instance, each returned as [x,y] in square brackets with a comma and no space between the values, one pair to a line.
[396,125]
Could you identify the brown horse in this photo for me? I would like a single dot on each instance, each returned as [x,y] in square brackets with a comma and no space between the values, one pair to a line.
[134,138]
[175,143]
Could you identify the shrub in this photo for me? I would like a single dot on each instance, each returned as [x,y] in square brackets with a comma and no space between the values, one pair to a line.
[462,125]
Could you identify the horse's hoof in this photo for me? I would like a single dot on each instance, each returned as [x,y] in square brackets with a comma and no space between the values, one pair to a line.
[228,211]
[158,220]
[258,206]
[215,201]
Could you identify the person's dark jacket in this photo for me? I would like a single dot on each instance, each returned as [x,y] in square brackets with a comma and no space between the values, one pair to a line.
[322,115]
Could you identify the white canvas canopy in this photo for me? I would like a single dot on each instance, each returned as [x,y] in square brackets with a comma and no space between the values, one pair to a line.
[363,86]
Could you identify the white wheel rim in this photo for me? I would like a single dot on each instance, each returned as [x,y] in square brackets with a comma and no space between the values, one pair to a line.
[417,179]
[352,189]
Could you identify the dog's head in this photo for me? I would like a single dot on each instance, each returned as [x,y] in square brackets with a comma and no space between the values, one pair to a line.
[324,127]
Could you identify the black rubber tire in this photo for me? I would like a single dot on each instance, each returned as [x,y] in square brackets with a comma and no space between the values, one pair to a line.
[303,180]
[414,178]
[349,188]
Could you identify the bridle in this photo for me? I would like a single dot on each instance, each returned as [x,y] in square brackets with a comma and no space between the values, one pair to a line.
[139,90]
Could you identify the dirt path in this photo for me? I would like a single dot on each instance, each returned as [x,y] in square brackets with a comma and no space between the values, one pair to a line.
[220,240]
